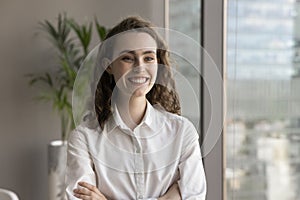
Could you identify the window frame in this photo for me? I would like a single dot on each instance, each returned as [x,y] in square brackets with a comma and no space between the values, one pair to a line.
[213,19]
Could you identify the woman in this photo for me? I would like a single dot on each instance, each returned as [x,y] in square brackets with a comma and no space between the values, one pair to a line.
[140,147]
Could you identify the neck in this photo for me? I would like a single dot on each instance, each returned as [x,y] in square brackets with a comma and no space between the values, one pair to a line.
[132,109]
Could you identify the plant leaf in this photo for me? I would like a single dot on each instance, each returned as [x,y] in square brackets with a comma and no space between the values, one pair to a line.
[101,30]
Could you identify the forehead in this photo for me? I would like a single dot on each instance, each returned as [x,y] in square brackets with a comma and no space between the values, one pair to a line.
[133,41]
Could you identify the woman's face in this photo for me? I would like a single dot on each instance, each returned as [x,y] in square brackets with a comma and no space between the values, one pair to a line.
[135,63]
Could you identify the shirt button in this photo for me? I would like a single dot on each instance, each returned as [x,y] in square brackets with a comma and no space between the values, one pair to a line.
[140,196]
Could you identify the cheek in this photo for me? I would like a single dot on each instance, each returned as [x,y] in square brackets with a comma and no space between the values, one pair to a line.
[120,71]
[153,72]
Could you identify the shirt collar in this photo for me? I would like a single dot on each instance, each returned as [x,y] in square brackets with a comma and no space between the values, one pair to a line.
[115,120]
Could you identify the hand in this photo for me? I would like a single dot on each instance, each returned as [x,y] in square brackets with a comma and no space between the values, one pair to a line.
[172,193]
[88,192]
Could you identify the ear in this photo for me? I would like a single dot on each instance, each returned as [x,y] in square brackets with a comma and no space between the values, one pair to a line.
[106,64]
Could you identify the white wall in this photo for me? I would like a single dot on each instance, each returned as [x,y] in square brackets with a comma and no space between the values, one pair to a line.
[26,127]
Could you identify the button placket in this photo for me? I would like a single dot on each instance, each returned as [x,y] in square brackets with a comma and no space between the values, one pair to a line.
[139,168]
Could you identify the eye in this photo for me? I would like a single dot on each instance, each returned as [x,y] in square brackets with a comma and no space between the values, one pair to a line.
[149,59]
[128,59]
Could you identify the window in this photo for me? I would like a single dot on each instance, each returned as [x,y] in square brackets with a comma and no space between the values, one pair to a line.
[262,123]
[184,17]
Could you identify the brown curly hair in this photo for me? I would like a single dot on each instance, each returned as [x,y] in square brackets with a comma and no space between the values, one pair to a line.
[162,93]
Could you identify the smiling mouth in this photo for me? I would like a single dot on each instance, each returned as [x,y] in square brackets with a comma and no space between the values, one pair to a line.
[138,80]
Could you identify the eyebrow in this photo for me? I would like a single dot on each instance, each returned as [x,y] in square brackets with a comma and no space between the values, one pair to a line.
[133,52]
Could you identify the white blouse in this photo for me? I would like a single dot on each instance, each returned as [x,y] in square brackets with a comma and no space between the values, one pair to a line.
[138,164]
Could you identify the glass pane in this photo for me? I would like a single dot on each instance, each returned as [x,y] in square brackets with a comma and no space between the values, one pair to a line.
[184,16]
[263,118]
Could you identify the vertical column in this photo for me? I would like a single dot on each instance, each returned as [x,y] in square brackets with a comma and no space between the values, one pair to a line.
[213,17]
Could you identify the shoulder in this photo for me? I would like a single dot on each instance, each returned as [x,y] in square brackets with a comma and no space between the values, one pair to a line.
[163,114]
[181,124]
[85,130]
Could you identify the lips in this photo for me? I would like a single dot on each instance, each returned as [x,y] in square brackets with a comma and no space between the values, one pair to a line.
[138,80]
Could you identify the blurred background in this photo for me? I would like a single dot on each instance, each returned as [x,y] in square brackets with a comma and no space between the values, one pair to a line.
[263,82]
[262,72]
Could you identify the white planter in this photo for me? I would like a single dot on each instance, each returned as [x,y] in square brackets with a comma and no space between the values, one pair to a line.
[57,160]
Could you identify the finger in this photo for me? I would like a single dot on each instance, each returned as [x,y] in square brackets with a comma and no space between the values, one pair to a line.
[91,196]
[83,191]
[83,197]
[90,187]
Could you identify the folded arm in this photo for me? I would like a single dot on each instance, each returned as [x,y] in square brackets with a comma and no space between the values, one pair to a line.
[79,164]
[192,182]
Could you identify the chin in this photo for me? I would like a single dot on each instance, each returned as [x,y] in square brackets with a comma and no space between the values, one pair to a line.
[141,92]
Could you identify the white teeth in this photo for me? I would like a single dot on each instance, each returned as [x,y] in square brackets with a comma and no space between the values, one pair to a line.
[138,80]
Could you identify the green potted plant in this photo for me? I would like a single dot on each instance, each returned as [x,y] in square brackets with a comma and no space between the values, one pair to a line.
[71,42]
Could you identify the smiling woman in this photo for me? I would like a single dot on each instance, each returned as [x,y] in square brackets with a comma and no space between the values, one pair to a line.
[139,147]
[135,68]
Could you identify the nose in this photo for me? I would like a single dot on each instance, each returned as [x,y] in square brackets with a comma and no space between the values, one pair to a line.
[139,65]
[138,69]
[139,61]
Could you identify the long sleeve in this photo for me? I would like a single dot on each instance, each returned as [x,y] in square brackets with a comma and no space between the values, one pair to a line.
[192,183]
[79,163]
